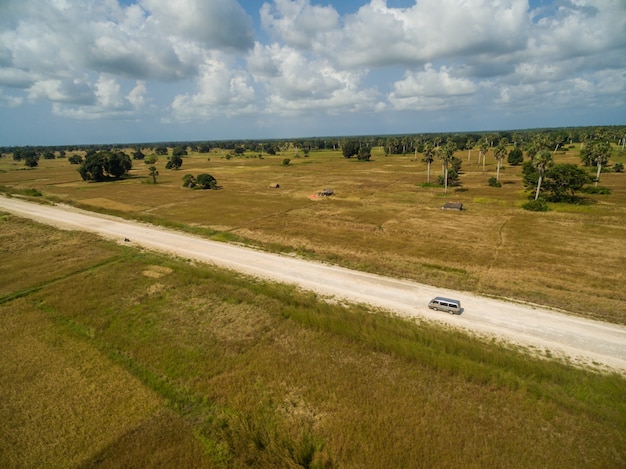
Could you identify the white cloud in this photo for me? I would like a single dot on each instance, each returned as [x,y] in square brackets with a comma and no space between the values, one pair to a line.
[431,89]
[295,83]
[103,59]
[109,100]
[215,23]
[298,23]
[222,90]
[431,30]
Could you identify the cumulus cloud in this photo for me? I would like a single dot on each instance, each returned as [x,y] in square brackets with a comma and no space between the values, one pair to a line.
[215,23]
[222,90]
[104,59]
[295,83]
[48,48]
[298,23]
[108,100]
[430,30]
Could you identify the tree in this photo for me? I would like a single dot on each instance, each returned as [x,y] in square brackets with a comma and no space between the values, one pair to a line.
[445,154]
[31,161]
[153,173]
[596,153]
[483,146]
[75,159]
[541,163]
[189,181]
[138,154]
[515,157]
[174,162]
[160,150]
[364,154]
[117,164]
[499,154]
[429,156]
[179,151]
[350,148]
[102,165]
[468,146]
[92,168]
[206,181]
[564,180]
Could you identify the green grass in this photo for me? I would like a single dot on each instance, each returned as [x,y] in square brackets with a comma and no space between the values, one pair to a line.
[132,359]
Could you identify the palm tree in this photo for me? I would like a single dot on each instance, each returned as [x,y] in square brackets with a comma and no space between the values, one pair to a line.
[600,153]
[483,145]
[445,154]
[429,156]
[469,145]
[541,163]
[500,154]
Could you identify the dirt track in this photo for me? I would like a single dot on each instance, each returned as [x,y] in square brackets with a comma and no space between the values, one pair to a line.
[581,340]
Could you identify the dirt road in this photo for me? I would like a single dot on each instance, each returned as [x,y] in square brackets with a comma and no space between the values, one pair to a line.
[580,340]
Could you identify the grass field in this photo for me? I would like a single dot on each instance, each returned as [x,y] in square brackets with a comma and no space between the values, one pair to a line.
[382,219]
[113,357]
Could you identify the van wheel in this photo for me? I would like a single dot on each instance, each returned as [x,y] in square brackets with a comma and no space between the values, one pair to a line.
[451,312]
[436,309]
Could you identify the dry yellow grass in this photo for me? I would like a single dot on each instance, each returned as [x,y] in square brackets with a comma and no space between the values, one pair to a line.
[570,258]
[203,368]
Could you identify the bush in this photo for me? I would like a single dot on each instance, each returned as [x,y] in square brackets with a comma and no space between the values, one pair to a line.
[206,181]
[493,182]
[596,190]
[618,167]
[75,159]
[174,162]
[189,181]
[286,162]
[515,157]
[538,205]
[152,159]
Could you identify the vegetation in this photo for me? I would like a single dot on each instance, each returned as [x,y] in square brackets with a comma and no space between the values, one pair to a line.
[104,165]
[192,366]
[174,162]
[386,206]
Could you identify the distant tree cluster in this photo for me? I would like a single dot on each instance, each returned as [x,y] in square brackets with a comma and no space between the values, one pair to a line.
[202,181]
[105,165]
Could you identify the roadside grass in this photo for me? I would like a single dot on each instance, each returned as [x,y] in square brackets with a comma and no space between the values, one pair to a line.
[147,360]
[493,247]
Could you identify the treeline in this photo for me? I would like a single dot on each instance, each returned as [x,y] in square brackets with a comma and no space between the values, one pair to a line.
[391,144]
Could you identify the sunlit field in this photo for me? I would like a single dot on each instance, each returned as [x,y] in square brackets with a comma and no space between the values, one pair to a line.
[114,357]
[382,218]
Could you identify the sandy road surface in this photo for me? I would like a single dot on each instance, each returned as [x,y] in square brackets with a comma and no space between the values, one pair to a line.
[581,340]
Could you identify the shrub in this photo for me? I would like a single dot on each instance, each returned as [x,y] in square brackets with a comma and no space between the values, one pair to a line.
[286,162]
[618,167]
[515,157]
[75,159]
[596,190]
[152,159]
[493,182]
[189,181]
[174,162]
[538,205]
[206,181]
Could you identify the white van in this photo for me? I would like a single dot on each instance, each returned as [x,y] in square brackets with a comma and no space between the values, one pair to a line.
[445,304]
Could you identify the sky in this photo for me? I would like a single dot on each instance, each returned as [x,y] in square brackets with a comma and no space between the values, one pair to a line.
[129,71]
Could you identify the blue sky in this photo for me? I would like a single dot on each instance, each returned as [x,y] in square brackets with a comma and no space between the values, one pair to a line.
[109,71]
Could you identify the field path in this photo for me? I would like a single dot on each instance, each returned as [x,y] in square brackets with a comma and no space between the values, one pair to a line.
[580,340]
